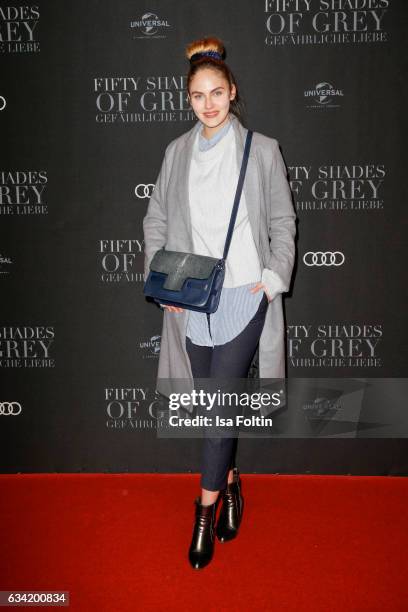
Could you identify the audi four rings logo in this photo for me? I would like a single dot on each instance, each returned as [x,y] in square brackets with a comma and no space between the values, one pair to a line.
[323,258]
[143,190]
[10,408]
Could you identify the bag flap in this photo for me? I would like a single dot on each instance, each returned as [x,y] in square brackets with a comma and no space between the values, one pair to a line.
[179,266]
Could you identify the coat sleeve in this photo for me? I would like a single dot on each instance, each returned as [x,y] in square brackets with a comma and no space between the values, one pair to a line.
[281,228]
[155,220]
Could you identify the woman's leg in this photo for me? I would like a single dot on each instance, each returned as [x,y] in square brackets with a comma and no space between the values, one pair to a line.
[215,451]
[200,360]
[230,360]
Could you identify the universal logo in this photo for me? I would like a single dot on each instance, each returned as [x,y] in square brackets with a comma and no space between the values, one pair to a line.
[144,191]
[324,95]
[151,347]
[4,261]
[321,407]
[325,416]
[22,192]
[150,26]
[339,187]
[18,29]
[10,408]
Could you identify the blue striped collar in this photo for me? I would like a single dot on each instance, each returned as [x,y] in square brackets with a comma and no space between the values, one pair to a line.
[205,143]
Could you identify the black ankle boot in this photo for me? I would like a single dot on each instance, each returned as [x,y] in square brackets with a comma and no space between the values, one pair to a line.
[202,544]
[231,512]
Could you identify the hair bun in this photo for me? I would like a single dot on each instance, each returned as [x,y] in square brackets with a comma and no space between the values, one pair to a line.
[210,47]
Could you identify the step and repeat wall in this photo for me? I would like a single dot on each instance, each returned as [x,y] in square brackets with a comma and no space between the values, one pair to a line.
[91,93]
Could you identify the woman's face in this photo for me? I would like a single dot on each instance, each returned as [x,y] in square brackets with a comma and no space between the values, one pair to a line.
[210,97]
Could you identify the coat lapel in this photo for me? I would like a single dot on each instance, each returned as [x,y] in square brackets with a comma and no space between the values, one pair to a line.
[250,188]
[183,178]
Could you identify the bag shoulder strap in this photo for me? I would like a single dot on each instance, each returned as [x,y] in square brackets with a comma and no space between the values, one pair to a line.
[238,192]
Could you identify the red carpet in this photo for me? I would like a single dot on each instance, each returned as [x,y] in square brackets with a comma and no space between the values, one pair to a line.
[119,542]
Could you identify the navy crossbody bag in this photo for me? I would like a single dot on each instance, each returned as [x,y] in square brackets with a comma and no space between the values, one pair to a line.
[193,281]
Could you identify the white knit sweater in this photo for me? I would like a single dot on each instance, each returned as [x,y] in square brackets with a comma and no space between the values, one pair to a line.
[213,181]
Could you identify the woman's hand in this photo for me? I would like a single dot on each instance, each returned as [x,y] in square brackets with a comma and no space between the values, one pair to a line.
[259,286]
[172,308]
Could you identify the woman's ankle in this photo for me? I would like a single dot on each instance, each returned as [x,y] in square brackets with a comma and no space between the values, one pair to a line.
[208,497]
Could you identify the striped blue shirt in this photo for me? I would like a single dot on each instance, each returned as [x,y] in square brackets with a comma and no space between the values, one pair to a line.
[237,304]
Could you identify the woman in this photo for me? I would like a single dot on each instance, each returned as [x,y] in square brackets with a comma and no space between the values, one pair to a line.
[189,211]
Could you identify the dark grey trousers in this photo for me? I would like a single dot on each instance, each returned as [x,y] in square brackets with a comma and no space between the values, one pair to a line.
[230,360]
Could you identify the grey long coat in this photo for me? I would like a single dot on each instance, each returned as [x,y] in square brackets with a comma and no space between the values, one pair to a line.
[272,220]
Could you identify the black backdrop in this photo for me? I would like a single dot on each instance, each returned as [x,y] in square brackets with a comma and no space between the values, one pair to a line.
[90,95]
